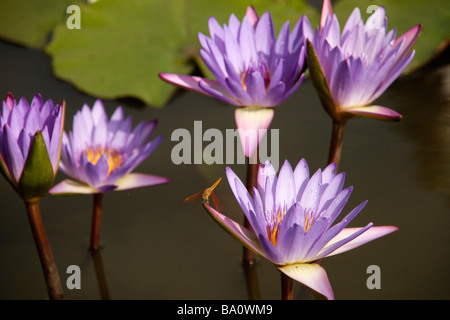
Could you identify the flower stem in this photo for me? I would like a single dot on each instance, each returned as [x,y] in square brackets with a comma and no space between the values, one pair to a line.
[252,182]
[286,287]
[249,259]
[337,139]
[51,275]
[96,221]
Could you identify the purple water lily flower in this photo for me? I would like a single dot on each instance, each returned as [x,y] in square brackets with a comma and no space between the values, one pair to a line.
[100,153]
[293,217]
[353,68]
[252,67]
[30,141]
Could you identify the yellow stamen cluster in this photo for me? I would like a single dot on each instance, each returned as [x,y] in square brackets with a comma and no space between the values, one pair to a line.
[265,72]
[308,221]
[273,229]
[114,158]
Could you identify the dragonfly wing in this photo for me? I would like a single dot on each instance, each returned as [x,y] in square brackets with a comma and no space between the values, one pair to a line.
[194,197]
[216,201]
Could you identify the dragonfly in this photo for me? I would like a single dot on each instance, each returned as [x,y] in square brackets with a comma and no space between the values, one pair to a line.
[205,194]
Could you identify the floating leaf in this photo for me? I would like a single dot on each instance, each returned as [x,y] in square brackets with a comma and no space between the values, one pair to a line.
[29,23]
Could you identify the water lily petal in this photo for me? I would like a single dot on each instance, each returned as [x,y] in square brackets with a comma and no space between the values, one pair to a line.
[369,235]
[301,177]
[311,275]
[376,112]
[251,15]
[69,186]
[410,37]
[12,154]
[242,234]
[272,253]
[139,180]
[327,11]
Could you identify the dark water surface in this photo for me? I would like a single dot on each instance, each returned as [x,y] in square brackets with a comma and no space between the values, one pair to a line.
[154,247]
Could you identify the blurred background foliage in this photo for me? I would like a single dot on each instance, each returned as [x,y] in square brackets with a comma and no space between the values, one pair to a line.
[123,45]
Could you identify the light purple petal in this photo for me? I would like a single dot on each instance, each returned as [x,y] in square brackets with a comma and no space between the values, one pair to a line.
[216,90]
[376,112]
[369,235]
[332,246]
[271,252]
[139,180]
[331,191]
[327,13]
[189,82]
[311,196]
[240,192]
[247,43]
[243,235]
[285,189]
[410,38]
[290,243]
[69,186]
[13,157]
[265,35]
[256,87]
[301,177]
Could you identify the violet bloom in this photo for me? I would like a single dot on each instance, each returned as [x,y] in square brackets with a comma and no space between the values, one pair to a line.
[253,68]
[100,154]
[30,141]
[293,217]
[353,68]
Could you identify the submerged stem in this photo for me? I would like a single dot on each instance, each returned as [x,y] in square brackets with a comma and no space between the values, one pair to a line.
[100,273]
[96,221]
[51,274]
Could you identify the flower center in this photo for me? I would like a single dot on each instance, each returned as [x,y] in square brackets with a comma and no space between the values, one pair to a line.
[114,158]
[262,69]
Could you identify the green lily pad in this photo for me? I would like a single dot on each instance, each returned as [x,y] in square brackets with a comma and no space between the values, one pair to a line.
[29,23]
[434,15]
[123,45]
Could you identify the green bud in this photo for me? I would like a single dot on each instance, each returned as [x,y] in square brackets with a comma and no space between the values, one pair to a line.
[37,175]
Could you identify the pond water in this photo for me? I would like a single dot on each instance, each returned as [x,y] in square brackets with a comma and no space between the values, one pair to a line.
[155,247]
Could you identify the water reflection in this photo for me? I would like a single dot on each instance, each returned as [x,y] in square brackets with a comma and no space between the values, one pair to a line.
[100,274]
[424,100]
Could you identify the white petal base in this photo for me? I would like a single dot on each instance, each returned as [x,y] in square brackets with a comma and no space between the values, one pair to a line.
[311,275]
[252,124]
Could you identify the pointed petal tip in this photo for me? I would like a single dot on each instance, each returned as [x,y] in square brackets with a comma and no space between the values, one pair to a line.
[139,180]
[252,15]
[375,112]
[70,186]
[327,10]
